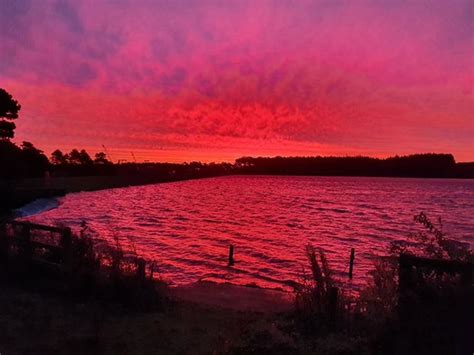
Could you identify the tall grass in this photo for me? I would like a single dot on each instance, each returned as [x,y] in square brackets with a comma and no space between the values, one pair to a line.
[119,273]
[313,293]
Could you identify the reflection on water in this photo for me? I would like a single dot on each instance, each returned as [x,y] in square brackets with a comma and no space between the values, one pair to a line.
[188,226]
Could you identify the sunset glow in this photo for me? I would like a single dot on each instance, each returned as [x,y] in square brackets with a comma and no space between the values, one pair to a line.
[212,81]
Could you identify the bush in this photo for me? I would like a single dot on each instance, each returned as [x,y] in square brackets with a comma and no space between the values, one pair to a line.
[432,242]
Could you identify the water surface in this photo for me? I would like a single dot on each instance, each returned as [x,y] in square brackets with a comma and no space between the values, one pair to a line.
[188,226]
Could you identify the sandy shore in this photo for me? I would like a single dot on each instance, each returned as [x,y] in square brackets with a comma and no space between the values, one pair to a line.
[234,297]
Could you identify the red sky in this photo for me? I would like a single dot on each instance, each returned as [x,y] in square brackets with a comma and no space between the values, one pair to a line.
[215,80]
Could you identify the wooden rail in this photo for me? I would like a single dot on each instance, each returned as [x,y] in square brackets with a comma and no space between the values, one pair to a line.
[49,246]
[35,243]
[34,226]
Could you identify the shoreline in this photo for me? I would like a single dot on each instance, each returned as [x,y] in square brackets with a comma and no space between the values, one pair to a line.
[17,194]
[21,193]
[233,297]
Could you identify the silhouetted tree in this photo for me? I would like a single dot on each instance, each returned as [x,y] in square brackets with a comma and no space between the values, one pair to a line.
[8,111]
[58,158]
[101,158]
[10,159]
[85,157]
[79,157]
[35,162]
[74,157]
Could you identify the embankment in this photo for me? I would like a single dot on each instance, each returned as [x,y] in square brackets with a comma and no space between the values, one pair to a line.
[17,193]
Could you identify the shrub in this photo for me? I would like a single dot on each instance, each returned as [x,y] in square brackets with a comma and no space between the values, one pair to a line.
[432,242]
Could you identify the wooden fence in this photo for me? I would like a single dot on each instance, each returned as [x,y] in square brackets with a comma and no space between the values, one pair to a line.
[35,243]
[50,247]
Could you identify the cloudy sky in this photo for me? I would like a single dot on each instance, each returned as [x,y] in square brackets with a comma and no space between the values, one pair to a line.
[214,80]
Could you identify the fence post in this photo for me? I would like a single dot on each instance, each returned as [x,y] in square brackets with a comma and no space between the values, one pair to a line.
[4,247]
[351,263]
[231,255]
[27,248]
[66,244]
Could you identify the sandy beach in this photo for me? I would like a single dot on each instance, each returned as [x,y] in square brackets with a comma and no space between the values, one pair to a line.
[234,297]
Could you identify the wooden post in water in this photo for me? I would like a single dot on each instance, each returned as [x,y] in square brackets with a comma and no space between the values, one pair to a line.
[351,264]
[231,255]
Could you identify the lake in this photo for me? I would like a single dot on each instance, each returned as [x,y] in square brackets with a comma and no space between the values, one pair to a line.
[188,226]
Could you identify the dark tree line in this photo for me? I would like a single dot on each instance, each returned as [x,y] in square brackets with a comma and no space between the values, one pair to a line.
[417,165]
[27,161]
[76,157]
[80,163]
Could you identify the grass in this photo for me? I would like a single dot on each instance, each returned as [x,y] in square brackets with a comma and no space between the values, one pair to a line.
[313,294]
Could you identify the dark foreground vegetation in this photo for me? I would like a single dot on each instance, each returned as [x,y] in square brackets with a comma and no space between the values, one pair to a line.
[74,293]
[419,300]
[80,295]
